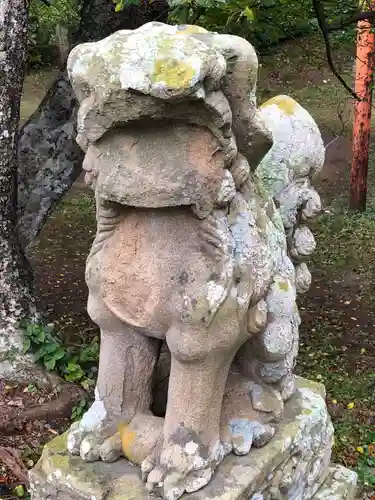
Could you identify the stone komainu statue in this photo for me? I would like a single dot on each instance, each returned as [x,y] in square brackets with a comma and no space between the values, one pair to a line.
[200,246]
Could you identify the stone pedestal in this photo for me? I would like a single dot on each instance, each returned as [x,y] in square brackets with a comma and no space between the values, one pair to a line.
[295,465]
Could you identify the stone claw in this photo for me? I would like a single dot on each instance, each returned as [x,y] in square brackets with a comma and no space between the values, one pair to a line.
[179,469]
[147,466]
[245,434]
[91,447]
[94,437]
[155,478]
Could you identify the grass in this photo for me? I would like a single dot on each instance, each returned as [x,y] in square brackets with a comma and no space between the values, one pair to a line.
[338,313]
[292,70]
[338,341]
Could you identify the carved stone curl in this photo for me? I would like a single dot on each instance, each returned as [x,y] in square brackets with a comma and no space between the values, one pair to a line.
[197,252]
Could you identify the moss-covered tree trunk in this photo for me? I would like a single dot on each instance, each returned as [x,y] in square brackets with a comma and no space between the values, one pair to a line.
[49,159]
[16,291]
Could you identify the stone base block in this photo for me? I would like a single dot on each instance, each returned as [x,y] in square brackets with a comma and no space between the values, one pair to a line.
[295,465]
[340,484]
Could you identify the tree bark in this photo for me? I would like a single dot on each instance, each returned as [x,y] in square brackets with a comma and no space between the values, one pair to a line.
[49,158]
[364,78]
[16,287]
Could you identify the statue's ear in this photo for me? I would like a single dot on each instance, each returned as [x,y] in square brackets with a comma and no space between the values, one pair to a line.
[239,84]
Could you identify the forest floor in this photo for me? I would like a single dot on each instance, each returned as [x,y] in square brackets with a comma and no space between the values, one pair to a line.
[338,312]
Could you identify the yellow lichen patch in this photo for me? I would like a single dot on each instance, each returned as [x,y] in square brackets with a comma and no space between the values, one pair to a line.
[173,72]
[283,285]
[127,440]
[306,411]
[60,461]
[190,29]
[285,103]
[59,444]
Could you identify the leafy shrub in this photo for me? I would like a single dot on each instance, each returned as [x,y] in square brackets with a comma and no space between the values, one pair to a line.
[74,365]
[262,22]
[43,20]
[265,22]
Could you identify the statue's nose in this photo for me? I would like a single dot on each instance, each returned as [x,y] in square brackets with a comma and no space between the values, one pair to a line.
[87,165]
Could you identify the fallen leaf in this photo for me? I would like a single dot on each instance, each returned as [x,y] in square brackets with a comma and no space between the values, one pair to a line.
[15,402]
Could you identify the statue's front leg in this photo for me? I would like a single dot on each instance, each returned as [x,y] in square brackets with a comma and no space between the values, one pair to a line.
[122,395]
[191,449]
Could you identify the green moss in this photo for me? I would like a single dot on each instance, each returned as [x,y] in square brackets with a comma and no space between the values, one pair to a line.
[60,461]
[306,411]
[58,445]
[188,29]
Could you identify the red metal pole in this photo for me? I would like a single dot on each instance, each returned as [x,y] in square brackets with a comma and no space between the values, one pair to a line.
[362,113]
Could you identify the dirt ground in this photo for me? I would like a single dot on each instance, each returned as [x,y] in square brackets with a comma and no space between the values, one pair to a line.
[338,312]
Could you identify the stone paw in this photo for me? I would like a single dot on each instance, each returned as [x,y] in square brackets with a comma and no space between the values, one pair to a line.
[92,447]
[95,438]
[141,436]
[179,469]
[243,434]
[245,422]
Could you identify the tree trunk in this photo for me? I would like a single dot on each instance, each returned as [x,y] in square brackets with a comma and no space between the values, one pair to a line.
[49,158]
[364,78]
[16,290]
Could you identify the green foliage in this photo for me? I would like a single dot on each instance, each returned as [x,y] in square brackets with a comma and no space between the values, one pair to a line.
[338,11]
[78,365]
[79,409]
[366,461]
[19,491]
[263,22]
[43,20]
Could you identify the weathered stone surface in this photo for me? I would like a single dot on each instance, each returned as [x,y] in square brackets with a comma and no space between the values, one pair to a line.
[295,158]
[286,171]
[173,77]
[341,484]
[293,466]
[190,249]
[132,169]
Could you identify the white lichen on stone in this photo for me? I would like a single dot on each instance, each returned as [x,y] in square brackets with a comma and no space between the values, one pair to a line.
[227,190]
[95,416]
[191,447]
[303,278]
